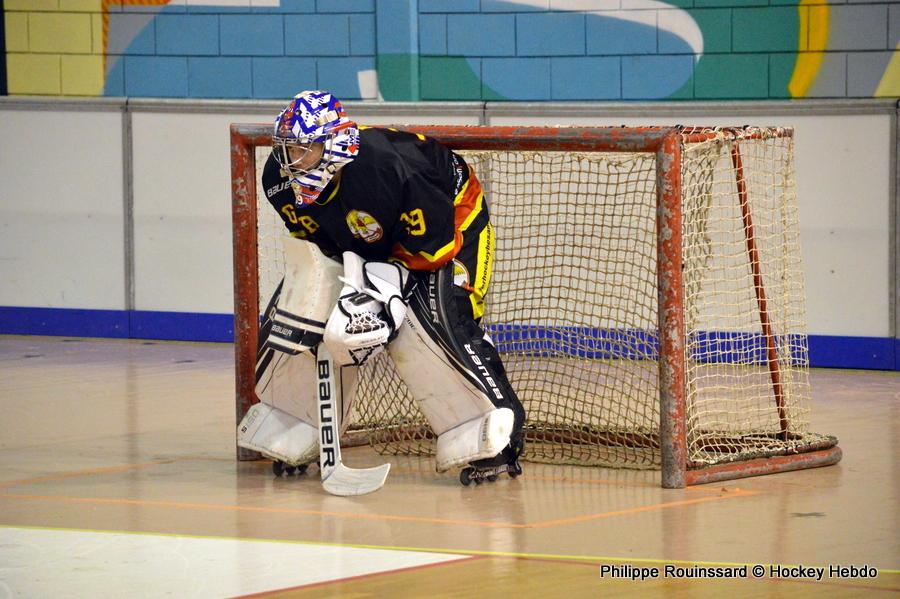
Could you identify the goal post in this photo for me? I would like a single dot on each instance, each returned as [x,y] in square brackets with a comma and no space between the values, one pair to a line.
[647,297]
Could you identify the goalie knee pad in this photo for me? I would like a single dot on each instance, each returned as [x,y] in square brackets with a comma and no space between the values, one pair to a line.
[278,435]
[480,438]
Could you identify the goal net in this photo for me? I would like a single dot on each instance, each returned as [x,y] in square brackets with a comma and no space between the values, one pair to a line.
[647,298]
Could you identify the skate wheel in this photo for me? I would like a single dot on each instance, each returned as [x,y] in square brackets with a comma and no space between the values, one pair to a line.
[290,470]
[492,477]
[301,469]
[277,468]
[465,476]
[515,470]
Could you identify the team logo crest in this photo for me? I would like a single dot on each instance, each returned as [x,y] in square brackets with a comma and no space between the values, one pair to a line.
[364,226]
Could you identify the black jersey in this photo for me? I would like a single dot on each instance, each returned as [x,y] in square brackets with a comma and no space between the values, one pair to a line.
[405,197]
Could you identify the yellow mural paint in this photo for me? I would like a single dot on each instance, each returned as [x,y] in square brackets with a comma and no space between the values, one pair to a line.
[59,32]
[27,5]
[58,47]
[16,30]
[33,74]
[82,75]
[98,34]
[889,86]
[814,23]
[81,5]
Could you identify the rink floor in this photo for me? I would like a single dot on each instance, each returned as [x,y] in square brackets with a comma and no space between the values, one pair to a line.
[118,478]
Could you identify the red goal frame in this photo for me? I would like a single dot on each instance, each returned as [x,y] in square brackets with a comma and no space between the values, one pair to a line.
[666,143]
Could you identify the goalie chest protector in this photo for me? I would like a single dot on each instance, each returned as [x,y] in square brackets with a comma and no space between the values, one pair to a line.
[398,191]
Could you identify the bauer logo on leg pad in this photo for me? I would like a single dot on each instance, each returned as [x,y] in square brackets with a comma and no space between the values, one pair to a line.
[284,331]
[483,371]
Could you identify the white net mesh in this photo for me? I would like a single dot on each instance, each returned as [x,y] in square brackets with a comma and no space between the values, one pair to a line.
[573,305]
[732,395]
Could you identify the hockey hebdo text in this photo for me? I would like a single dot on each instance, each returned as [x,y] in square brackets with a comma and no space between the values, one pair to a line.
[800,572]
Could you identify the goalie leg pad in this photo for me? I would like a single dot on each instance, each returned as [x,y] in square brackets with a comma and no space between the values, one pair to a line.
[446,359]
[480,438]
[290,384]
[444,393]
[308,292]
[278,435]
[283,425]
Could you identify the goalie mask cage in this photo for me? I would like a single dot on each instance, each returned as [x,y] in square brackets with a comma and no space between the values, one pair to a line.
[646,297]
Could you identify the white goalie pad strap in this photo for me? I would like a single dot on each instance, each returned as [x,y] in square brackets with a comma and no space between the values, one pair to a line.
[311,287]
[476,439]
[366,315]
[289,383]
[278,435]
[446,397]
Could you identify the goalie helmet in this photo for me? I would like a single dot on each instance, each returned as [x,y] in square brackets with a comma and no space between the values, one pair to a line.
[314,117]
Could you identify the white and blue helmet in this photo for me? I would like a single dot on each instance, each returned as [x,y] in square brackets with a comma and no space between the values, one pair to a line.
[314,117]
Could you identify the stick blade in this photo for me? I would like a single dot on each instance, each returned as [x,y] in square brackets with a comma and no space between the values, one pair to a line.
[348,482]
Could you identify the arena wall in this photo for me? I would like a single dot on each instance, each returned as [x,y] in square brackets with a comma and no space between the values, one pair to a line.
[116,214]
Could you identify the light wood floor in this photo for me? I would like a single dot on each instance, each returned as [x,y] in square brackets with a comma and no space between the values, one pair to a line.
[133,436]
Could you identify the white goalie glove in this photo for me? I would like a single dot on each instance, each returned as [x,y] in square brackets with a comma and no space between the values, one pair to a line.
[370,309]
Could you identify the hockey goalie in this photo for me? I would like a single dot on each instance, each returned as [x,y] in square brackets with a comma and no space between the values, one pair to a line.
[390,248]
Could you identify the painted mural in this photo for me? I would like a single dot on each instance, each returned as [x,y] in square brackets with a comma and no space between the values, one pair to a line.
[535,50]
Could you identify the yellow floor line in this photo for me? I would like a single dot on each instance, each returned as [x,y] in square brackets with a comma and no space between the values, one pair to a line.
[461,552]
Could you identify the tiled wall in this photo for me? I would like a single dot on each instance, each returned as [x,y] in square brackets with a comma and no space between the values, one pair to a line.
[456,49]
